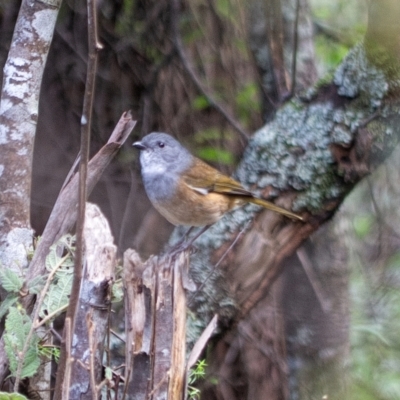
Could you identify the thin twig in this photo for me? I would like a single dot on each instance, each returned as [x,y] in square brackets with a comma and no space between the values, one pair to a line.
[55,333]
[177,41]
[45,289]
[292,241]
[50,316]
[86,120]
[155,389]
[319,291]
[68,359]
[89,324]
[117,336]
[108,349]
[201,342]
[219,262]
[33,326]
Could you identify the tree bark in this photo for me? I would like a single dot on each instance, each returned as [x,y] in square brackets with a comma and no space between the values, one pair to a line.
[155,318]
[310,156]
[94,307]
[18,118]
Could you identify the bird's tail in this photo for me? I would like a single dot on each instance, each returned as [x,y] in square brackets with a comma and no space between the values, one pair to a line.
[271,206]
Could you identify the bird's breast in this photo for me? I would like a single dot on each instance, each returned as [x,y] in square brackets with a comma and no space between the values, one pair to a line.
[160,187]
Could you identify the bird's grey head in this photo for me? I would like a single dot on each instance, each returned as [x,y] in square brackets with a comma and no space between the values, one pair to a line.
[160,153]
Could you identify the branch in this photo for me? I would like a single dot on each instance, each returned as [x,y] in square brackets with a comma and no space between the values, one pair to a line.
[308,158]
[64,213]
[155,316]
[86,123]
[93,307]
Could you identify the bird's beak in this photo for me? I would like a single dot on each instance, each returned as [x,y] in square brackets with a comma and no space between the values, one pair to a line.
[139,145]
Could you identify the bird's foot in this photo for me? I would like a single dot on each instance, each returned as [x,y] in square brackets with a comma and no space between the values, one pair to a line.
[186,244]
[181,247]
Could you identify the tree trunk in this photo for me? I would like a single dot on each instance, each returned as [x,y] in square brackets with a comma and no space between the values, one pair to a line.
[22,79]
[325,141]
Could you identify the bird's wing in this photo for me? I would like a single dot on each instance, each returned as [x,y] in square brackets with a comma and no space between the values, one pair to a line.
[205,179]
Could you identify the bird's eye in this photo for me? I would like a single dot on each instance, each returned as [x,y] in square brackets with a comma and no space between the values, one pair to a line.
[161,144]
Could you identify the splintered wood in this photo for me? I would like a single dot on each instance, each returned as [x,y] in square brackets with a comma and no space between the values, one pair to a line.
[85,359]
[155,326]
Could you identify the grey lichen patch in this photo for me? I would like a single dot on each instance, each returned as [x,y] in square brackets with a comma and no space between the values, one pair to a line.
[214,294]
[40,23]
[15,248]
[347,121]
[292,152]
[356,76]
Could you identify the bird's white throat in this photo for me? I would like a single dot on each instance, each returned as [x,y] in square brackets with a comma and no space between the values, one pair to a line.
[150,166]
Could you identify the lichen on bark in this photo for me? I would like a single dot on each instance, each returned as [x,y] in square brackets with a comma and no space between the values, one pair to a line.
[318,146]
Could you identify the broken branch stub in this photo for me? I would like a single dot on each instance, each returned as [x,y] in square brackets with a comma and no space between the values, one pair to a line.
[155,301]
[91,319]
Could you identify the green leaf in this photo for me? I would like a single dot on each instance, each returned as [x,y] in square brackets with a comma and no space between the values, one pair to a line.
[196,373]
[67,266]
[248,101]
[12,396]
[31,362]
[17,328]
[52,259]
[67,241]
[8,302]
[331,52]
[55,256]
[200,103]
[225,9]
[49,352]
[192,35]
[58,294]
[213,154]
[207,135]
[36,284]
[117,292]
[10,280]
[108,373]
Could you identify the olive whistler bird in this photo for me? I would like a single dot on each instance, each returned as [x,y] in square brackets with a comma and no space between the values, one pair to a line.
[186,190]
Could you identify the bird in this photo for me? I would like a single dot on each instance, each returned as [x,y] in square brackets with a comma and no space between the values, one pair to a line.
[186,190]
